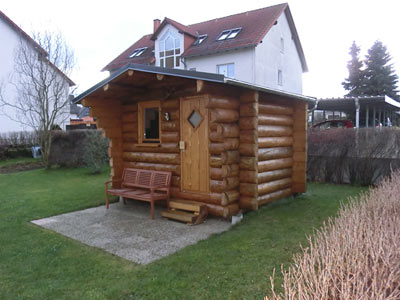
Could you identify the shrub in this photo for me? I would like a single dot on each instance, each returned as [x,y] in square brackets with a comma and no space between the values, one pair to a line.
[95,151]
[78,148]
[17,144]
[355,256]
[363,156]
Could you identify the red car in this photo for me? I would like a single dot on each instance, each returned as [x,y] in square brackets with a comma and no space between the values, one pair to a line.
[333,124]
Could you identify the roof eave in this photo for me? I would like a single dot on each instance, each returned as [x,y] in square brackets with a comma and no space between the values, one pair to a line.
[296,39]
[260,88]
[209,77]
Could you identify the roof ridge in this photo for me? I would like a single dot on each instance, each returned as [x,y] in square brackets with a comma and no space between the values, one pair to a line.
[241,13]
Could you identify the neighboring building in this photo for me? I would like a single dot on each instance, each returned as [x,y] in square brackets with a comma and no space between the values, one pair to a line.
[80,118]
[11,36]
[261,47]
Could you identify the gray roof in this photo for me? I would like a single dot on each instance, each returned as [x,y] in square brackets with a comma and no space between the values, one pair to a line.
[209,77]
[349,103]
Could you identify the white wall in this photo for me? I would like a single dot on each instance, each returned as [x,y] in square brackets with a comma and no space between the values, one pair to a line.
[243,60]
[10,41]
[269,59]
[260,65]
[160,35]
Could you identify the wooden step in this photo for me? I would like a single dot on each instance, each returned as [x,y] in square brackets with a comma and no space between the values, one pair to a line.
[179,216]
[185,205]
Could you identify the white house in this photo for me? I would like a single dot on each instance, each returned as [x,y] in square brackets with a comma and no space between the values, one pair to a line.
[260,47]
[11,37]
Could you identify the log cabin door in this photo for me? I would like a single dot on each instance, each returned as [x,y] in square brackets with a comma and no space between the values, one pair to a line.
[194,145]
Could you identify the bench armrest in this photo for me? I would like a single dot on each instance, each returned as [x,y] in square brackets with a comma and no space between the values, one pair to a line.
[111,181]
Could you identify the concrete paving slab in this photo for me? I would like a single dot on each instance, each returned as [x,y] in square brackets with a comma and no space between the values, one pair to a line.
[128,231]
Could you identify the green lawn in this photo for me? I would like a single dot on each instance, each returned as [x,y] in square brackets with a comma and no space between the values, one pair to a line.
[15,161]
[39,264]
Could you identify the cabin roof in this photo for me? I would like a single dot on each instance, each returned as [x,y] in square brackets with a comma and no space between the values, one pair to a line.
[195,75]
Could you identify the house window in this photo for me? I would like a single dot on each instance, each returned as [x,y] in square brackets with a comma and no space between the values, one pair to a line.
[170,51]
[282,45]
[149,121]
[200,39]
[137,52]
[228,70]
[229,34]
[280,79]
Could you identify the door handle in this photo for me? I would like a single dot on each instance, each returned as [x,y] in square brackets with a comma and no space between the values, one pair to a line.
[182,145]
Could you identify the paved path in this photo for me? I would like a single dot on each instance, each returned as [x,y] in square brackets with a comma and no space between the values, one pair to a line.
[128,231]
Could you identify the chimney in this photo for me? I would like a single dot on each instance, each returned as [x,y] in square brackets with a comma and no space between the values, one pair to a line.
[156,24]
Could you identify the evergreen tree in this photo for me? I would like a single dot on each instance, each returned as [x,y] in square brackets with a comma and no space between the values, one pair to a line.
[355,82]
[380,78]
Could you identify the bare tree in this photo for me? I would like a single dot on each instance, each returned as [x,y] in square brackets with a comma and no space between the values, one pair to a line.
[42,86]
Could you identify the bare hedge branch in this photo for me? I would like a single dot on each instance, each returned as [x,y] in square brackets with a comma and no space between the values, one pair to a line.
[355,256]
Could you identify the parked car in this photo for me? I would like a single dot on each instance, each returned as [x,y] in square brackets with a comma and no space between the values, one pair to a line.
[333,124]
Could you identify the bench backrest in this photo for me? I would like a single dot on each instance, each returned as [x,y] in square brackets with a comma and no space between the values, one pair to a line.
[145,178]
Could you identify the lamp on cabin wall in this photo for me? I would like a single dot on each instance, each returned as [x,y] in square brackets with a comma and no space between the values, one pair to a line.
[167,117]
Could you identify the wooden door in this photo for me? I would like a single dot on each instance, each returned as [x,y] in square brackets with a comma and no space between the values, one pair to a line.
[194,138]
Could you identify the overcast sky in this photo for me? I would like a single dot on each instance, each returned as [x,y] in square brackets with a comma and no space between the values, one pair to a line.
[100,30]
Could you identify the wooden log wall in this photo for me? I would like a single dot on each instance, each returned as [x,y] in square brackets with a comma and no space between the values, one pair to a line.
[224,156]
[108,119]
[275,153]
[299,148]
[248,165]
[164,156]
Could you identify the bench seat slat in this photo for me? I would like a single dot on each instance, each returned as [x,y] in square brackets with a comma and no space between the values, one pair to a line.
[144,185]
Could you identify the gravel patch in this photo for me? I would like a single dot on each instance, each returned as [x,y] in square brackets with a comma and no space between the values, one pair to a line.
[128,231]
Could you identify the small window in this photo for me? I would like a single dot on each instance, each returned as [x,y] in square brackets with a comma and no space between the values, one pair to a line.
[149,122]
[280,79]
[200,39]
[229,34]
[282,45]
[228,70]
[137,52]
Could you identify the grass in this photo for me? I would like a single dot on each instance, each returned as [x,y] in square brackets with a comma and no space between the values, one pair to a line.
[15,161]
[40,264]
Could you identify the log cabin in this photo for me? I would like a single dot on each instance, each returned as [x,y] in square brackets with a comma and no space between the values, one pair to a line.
[230,145]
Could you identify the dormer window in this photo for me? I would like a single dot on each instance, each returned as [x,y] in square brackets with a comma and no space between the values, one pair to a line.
[200,39]
[170,50]
[229,34]
[137,52]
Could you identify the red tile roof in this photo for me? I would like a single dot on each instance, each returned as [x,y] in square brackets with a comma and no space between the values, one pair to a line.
[254,26]
[182,28]
[146,58]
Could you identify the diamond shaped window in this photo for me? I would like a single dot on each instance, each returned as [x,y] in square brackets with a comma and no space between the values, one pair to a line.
[195,119]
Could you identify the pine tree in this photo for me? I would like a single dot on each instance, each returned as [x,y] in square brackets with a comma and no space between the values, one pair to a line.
[355,82]
[380,77]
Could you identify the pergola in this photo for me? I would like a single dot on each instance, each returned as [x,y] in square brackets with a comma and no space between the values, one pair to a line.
[368,111]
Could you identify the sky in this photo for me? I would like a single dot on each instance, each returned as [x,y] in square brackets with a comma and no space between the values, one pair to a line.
[98,31]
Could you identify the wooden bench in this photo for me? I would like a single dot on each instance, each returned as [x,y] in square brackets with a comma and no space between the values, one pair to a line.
[144,185]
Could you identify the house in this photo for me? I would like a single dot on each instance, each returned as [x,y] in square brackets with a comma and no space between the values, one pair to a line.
[229,144]
[261,47]
[11,36]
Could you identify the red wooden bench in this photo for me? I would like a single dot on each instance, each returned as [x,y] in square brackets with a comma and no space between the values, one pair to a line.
[144,185]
